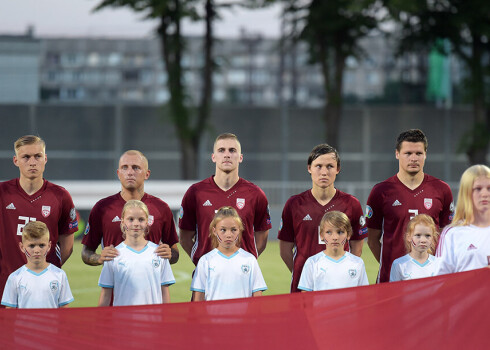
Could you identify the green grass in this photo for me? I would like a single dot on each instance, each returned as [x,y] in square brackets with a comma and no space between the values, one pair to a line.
[83,278]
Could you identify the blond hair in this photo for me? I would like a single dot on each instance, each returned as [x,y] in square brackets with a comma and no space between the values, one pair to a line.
[221,214]
[134,203]
[426,220]
[338,220]
[35,230]
[28,140]
[133,152]
[227,136]
[465,211]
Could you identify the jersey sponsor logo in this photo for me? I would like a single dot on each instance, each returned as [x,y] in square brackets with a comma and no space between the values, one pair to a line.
[207,204]
[369,212]
[73,224]
[352,273]
[53,285]
[240,203]
[46,210]
[245,269]
[155,262]
[427,203]
[11,206]
[471,247]
[181,213]
[151,220]
[116,219]
[87,229]
[362,221]
[363,231]
[307,218]
[73,214]
[280,225]
[396,203]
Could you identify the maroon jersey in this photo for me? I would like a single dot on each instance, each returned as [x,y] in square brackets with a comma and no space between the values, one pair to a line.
[390,207]
[104,222]
[52,204]
[203,199]
[300,224]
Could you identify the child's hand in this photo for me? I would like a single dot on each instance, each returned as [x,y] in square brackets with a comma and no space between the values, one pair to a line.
[108,253]
[164,251]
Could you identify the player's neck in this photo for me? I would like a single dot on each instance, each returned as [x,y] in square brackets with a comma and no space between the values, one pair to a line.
[31,186]
[132,194]
[225,181]
[228,251]
[38,266]
[323,195]
[334,253]
[412,181]
[136,243]
[481,219]
[420,257]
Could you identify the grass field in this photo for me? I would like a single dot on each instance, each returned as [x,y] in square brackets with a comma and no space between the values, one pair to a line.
[83,278]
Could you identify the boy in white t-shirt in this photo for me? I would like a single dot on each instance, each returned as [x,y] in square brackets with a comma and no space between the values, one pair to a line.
[37,284]
[137,276]
[333,268]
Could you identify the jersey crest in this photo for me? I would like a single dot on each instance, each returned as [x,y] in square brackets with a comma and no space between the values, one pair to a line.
[240,203]
[46,210]
[245,268]
[53,285]
[352,273]
[428,203]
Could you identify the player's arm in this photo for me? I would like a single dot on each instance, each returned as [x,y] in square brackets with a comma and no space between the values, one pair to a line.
[356,247]
[257,293]
[374,242]
[105,296]
[66,246]
[187,240]
[64,306]
[164,251]
[197,296]
[261,240]
[90,257]
[165,294]
[286,252]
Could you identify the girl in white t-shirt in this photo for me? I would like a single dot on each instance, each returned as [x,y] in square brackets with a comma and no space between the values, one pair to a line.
[465,244]
[228,271]
[137,276]
[420,241]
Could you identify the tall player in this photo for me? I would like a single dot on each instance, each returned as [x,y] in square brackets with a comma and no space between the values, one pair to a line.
[104,223]
[393,202]
[299,234]
[225,188]
[32,198]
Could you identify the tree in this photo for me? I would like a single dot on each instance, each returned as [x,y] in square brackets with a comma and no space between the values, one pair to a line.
[189,125]
[333,29]
[466,24]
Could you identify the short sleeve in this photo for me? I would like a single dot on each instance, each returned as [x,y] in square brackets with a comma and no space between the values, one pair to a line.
[167,276]
[446,215]
[262,219]
[169,233]
[363,281]
[199,280]
[258,282]
[358,222]
[93,232]
[10,296]
[306,279]
[68,223]
[106,279]
[66,296]
[286,229]
[395,274]
[187,214]
[374,209]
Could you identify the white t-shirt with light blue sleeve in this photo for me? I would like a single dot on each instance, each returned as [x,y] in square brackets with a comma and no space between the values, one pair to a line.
[227,277]
[407,268]
[26,289]
[322,272]
[136,276]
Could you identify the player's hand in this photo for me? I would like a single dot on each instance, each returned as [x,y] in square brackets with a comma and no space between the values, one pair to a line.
[164,251]
[108,253]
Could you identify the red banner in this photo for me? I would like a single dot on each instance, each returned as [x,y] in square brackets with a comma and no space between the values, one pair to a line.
[444,312]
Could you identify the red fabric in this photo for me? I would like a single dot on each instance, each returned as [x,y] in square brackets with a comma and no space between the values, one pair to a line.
[444,312]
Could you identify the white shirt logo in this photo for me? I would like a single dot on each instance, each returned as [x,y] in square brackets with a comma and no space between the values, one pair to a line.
[396,203]
[307,217]
[116,219]
[11,206]
[207,204]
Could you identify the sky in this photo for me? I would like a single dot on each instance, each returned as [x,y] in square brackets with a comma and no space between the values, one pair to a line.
[74,18]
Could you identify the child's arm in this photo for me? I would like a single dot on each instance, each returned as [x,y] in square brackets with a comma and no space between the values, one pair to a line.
[197,296]
[165,294]
[64,306]
[105,297]
[257,293]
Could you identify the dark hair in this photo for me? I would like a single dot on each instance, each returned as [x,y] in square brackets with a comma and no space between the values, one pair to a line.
[322,149]
[412,135]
